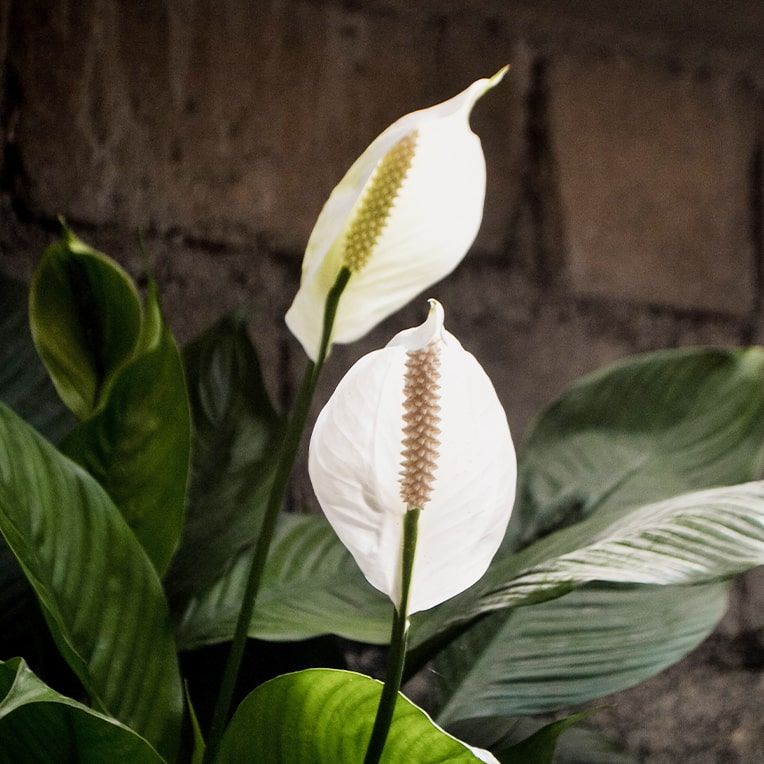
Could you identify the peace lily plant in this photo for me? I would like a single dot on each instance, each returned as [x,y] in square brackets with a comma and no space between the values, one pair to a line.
[142,490]
[413,465]
[402,218]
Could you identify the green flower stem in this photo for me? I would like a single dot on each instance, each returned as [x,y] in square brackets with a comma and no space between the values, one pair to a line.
[287,454]
[398,642]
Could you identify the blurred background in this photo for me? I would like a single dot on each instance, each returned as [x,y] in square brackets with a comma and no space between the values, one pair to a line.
[624,206]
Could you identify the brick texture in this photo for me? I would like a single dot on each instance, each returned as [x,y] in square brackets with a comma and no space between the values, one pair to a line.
[228,125]
[654,170]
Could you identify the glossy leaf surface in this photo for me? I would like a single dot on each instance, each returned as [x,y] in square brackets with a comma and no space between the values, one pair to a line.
[26,388]
[693,538]
[235,436]
[570,650]
[39,726]
[138,445]
[645,429]
[311,587]
[325,716]
[97,588]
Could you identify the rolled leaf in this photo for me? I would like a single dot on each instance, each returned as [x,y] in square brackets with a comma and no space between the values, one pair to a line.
[24,383]
[541,745]
[85,315]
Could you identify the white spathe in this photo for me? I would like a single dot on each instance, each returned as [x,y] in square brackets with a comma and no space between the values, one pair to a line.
[431,225]
[355,464]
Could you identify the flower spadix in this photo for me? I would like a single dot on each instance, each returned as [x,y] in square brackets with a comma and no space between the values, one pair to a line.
[402,218]
[416,424]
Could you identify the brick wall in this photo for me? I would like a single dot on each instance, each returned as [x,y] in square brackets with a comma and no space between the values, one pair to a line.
[624,207]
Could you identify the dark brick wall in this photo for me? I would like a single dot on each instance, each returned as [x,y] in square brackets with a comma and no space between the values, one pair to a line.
[624,207]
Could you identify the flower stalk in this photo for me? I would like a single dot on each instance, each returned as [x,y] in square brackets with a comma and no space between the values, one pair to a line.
[398,643]
[285,463]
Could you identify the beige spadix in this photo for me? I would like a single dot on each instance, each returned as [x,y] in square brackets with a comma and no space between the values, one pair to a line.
[416,424]
[402,218]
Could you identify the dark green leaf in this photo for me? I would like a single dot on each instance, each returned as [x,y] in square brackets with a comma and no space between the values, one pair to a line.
[643,430]
[539,747]
[97,588]
[311,586]
[138,445]
[24,383]
[198,744]
[694,538]
[577,745]
[236,431]
[27,389]
[85,315]
[325,716]
[40,726]
[570,650]
[580,745]
[647,428]
[621,542]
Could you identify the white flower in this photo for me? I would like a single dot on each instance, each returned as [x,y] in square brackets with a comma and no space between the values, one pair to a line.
[416,424]
[402,218]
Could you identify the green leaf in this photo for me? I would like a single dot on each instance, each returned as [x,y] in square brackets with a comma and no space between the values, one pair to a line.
[325,716]
[580,745]
[97,588]
[38,725]
[311,586]
[539,747]
[690,539]
[198,744]
[138,445]
[576,745]
[642,430]
[24,383]
[26,388]
[647,428]
[700,384]
[85,315]
[235,431]
[585,645]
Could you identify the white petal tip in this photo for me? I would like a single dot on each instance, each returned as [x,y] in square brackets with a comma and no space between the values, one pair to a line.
[492,82]
[436,315]
[422,335]
[464,102]
[431,330]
